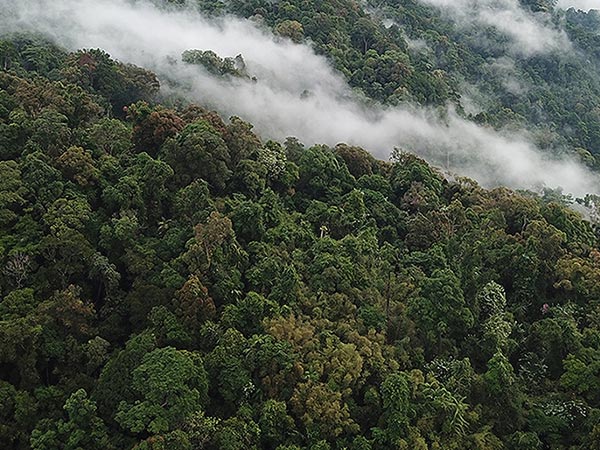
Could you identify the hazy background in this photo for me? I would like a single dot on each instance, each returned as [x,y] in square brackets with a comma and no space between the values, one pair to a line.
[584,5]
[140,33]
[529,33]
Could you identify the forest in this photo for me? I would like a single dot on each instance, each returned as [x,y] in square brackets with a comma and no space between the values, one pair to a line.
[172,280]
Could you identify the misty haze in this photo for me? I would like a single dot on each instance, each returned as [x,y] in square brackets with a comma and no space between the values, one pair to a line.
[144,34]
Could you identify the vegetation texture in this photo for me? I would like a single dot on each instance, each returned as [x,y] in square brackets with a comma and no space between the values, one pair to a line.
[169,281]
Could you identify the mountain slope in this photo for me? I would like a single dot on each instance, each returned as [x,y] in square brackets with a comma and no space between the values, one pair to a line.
[171,281]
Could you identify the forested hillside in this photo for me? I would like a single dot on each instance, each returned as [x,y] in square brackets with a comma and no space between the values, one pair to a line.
[407,50]
[170,280]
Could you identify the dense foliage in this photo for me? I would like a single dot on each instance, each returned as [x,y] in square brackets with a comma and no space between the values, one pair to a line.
[170,281]
[404,50]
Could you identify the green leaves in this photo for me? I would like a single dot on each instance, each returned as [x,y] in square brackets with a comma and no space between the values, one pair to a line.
[199,152]
[396,400]
[11,192]
[582,374]
[214,291]
[82,428]
[170,385]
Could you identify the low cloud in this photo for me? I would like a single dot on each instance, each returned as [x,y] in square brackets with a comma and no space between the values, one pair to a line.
[141,33]
[508,75]
[584,5]
[528,33]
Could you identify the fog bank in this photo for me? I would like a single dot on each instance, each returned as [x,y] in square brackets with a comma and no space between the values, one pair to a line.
[584,5]
[528,33]
[140,33]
